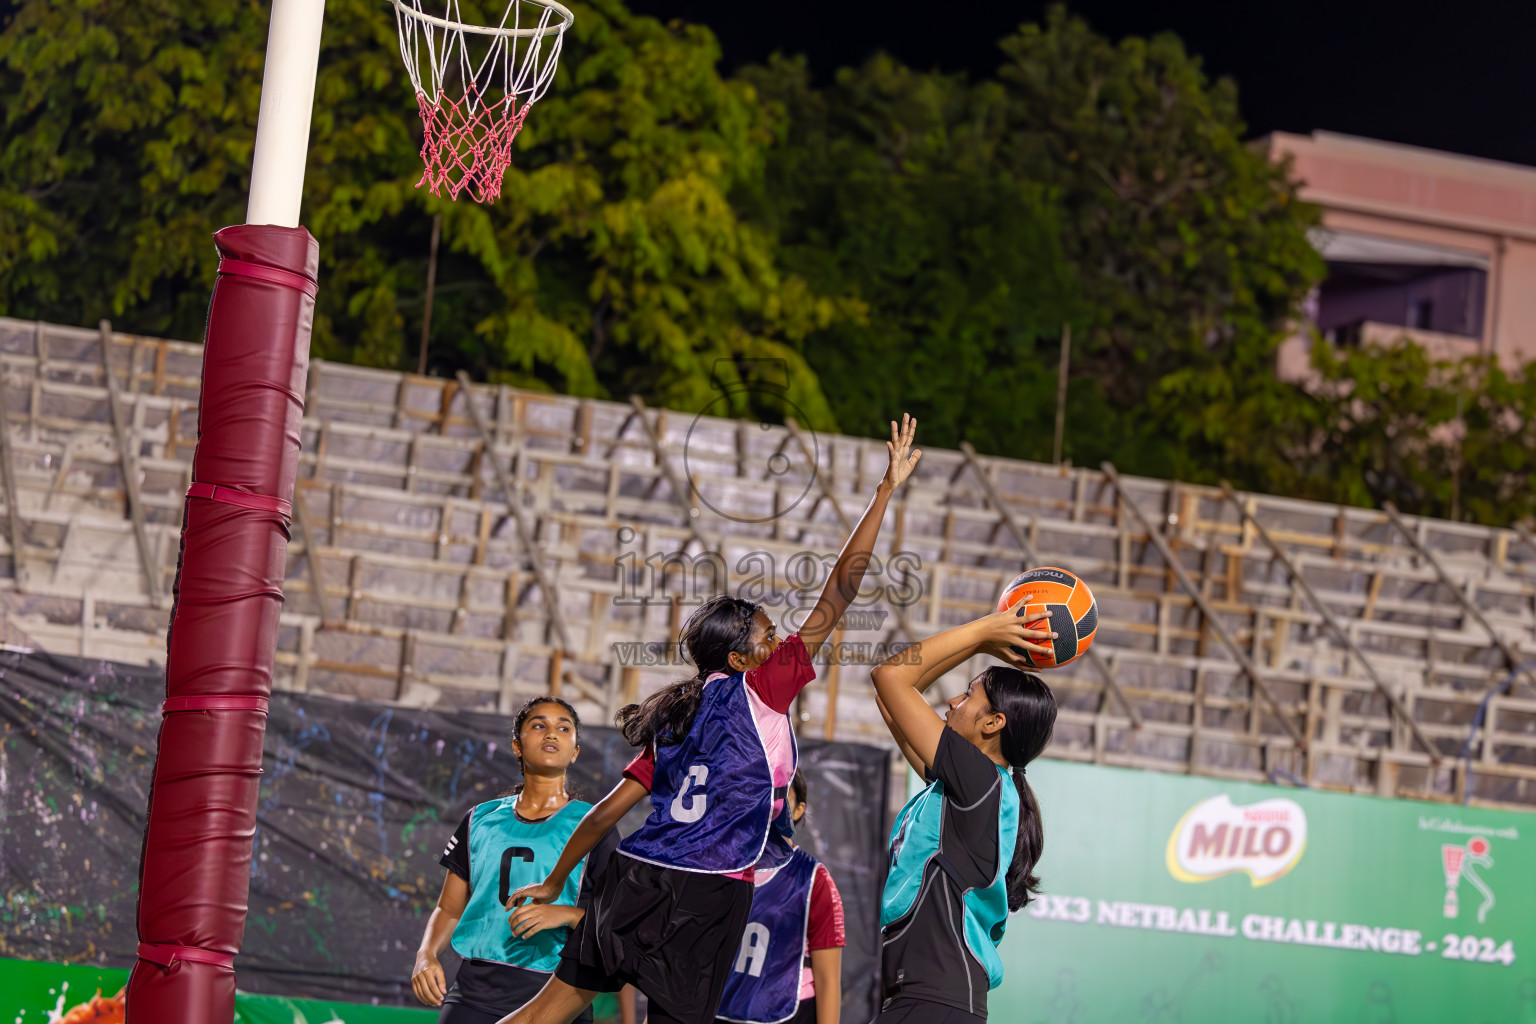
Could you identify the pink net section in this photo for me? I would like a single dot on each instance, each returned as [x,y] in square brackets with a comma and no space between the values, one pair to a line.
[467,144]
[1453,857]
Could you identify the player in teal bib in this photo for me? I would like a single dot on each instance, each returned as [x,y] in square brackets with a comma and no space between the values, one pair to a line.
[505,852]
[964,849]
[500,845]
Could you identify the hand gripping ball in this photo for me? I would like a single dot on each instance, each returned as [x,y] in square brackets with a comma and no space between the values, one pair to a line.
[1057,595]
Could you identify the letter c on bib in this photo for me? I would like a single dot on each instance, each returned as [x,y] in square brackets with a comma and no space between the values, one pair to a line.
[754,950]
[691,809]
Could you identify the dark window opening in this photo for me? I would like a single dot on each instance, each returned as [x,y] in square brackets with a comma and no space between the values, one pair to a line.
[1447,300]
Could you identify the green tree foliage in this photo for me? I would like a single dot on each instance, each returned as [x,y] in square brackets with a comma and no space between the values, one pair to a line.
[614,261]
[886,186]
[1493,464]
[1388,423]
[1190,247]
[1098,183]
[895,239]
[127,139]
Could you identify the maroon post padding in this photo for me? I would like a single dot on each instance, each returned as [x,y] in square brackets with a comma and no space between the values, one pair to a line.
[194,874]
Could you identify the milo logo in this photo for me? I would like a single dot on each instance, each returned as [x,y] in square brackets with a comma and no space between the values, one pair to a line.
[1216,837]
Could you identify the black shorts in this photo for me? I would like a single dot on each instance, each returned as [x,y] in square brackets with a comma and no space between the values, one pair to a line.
[672,934]
[483,992]
[806,1014]
[463,1013]
[920,1011]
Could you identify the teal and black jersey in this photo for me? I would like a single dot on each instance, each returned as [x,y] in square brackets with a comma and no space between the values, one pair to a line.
[496,851]
[945,904]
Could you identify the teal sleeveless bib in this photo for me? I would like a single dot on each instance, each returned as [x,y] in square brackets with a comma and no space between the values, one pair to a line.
[915,842]
[504,854]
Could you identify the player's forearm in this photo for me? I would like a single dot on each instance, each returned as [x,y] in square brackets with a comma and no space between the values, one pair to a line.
[826,973]
[604,815]
[848,572]
[931,673]
[581,843]
[934,669]
[916,667]
[828,1009]
[439,930]
[853,560]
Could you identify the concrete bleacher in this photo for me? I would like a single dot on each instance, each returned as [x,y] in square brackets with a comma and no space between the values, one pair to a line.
[410,579]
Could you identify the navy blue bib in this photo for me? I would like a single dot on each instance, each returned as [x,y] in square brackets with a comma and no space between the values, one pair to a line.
[764,984]
[712,794]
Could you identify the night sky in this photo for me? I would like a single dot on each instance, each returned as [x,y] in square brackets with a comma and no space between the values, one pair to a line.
[1457,76]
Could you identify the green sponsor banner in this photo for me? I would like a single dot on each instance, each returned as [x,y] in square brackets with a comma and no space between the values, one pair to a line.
[1177,899]
[34,992]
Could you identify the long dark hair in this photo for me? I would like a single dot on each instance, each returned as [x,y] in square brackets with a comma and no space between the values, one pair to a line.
[522,718]
[718,627]
[1030,709]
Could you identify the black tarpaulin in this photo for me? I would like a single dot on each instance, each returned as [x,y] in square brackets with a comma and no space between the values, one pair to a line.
[356,803]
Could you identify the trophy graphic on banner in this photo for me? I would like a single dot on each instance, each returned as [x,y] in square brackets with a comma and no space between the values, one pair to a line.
[1463,860]
[1452,857]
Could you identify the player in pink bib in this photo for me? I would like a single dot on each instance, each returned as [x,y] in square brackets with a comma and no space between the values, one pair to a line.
[718,755]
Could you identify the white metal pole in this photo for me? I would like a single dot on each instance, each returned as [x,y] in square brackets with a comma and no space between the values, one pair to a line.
[287,100]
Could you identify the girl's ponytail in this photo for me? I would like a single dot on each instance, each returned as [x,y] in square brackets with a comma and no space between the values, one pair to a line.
[1022,880]
[1029,708]
[665,716]
[720,626]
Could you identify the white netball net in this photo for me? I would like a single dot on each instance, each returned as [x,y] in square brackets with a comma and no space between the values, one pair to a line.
[475,85]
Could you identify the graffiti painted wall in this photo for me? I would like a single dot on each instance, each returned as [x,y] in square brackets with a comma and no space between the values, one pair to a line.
[357,802]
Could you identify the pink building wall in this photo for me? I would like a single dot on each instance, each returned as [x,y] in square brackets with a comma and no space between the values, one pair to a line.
[1480,209]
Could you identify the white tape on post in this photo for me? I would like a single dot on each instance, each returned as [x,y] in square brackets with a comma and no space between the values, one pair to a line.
[287,100]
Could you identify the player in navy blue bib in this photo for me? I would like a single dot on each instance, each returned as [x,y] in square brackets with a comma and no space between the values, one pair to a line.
[500,845]
[963,851]
[788,969]
[718,754]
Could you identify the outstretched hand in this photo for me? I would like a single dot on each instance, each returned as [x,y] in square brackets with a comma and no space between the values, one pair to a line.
[903,457]
[538,892]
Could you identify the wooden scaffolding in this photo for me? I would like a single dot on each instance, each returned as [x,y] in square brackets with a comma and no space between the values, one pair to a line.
[470,546]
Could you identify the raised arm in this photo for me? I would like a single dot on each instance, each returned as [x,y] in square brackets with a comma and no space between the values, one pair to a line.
[604,815]
[900,679]
[931,673]
[852,562]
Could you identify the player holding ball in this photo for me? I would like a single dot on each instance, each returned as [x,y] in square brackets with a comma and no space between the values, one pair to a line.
[964,850]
